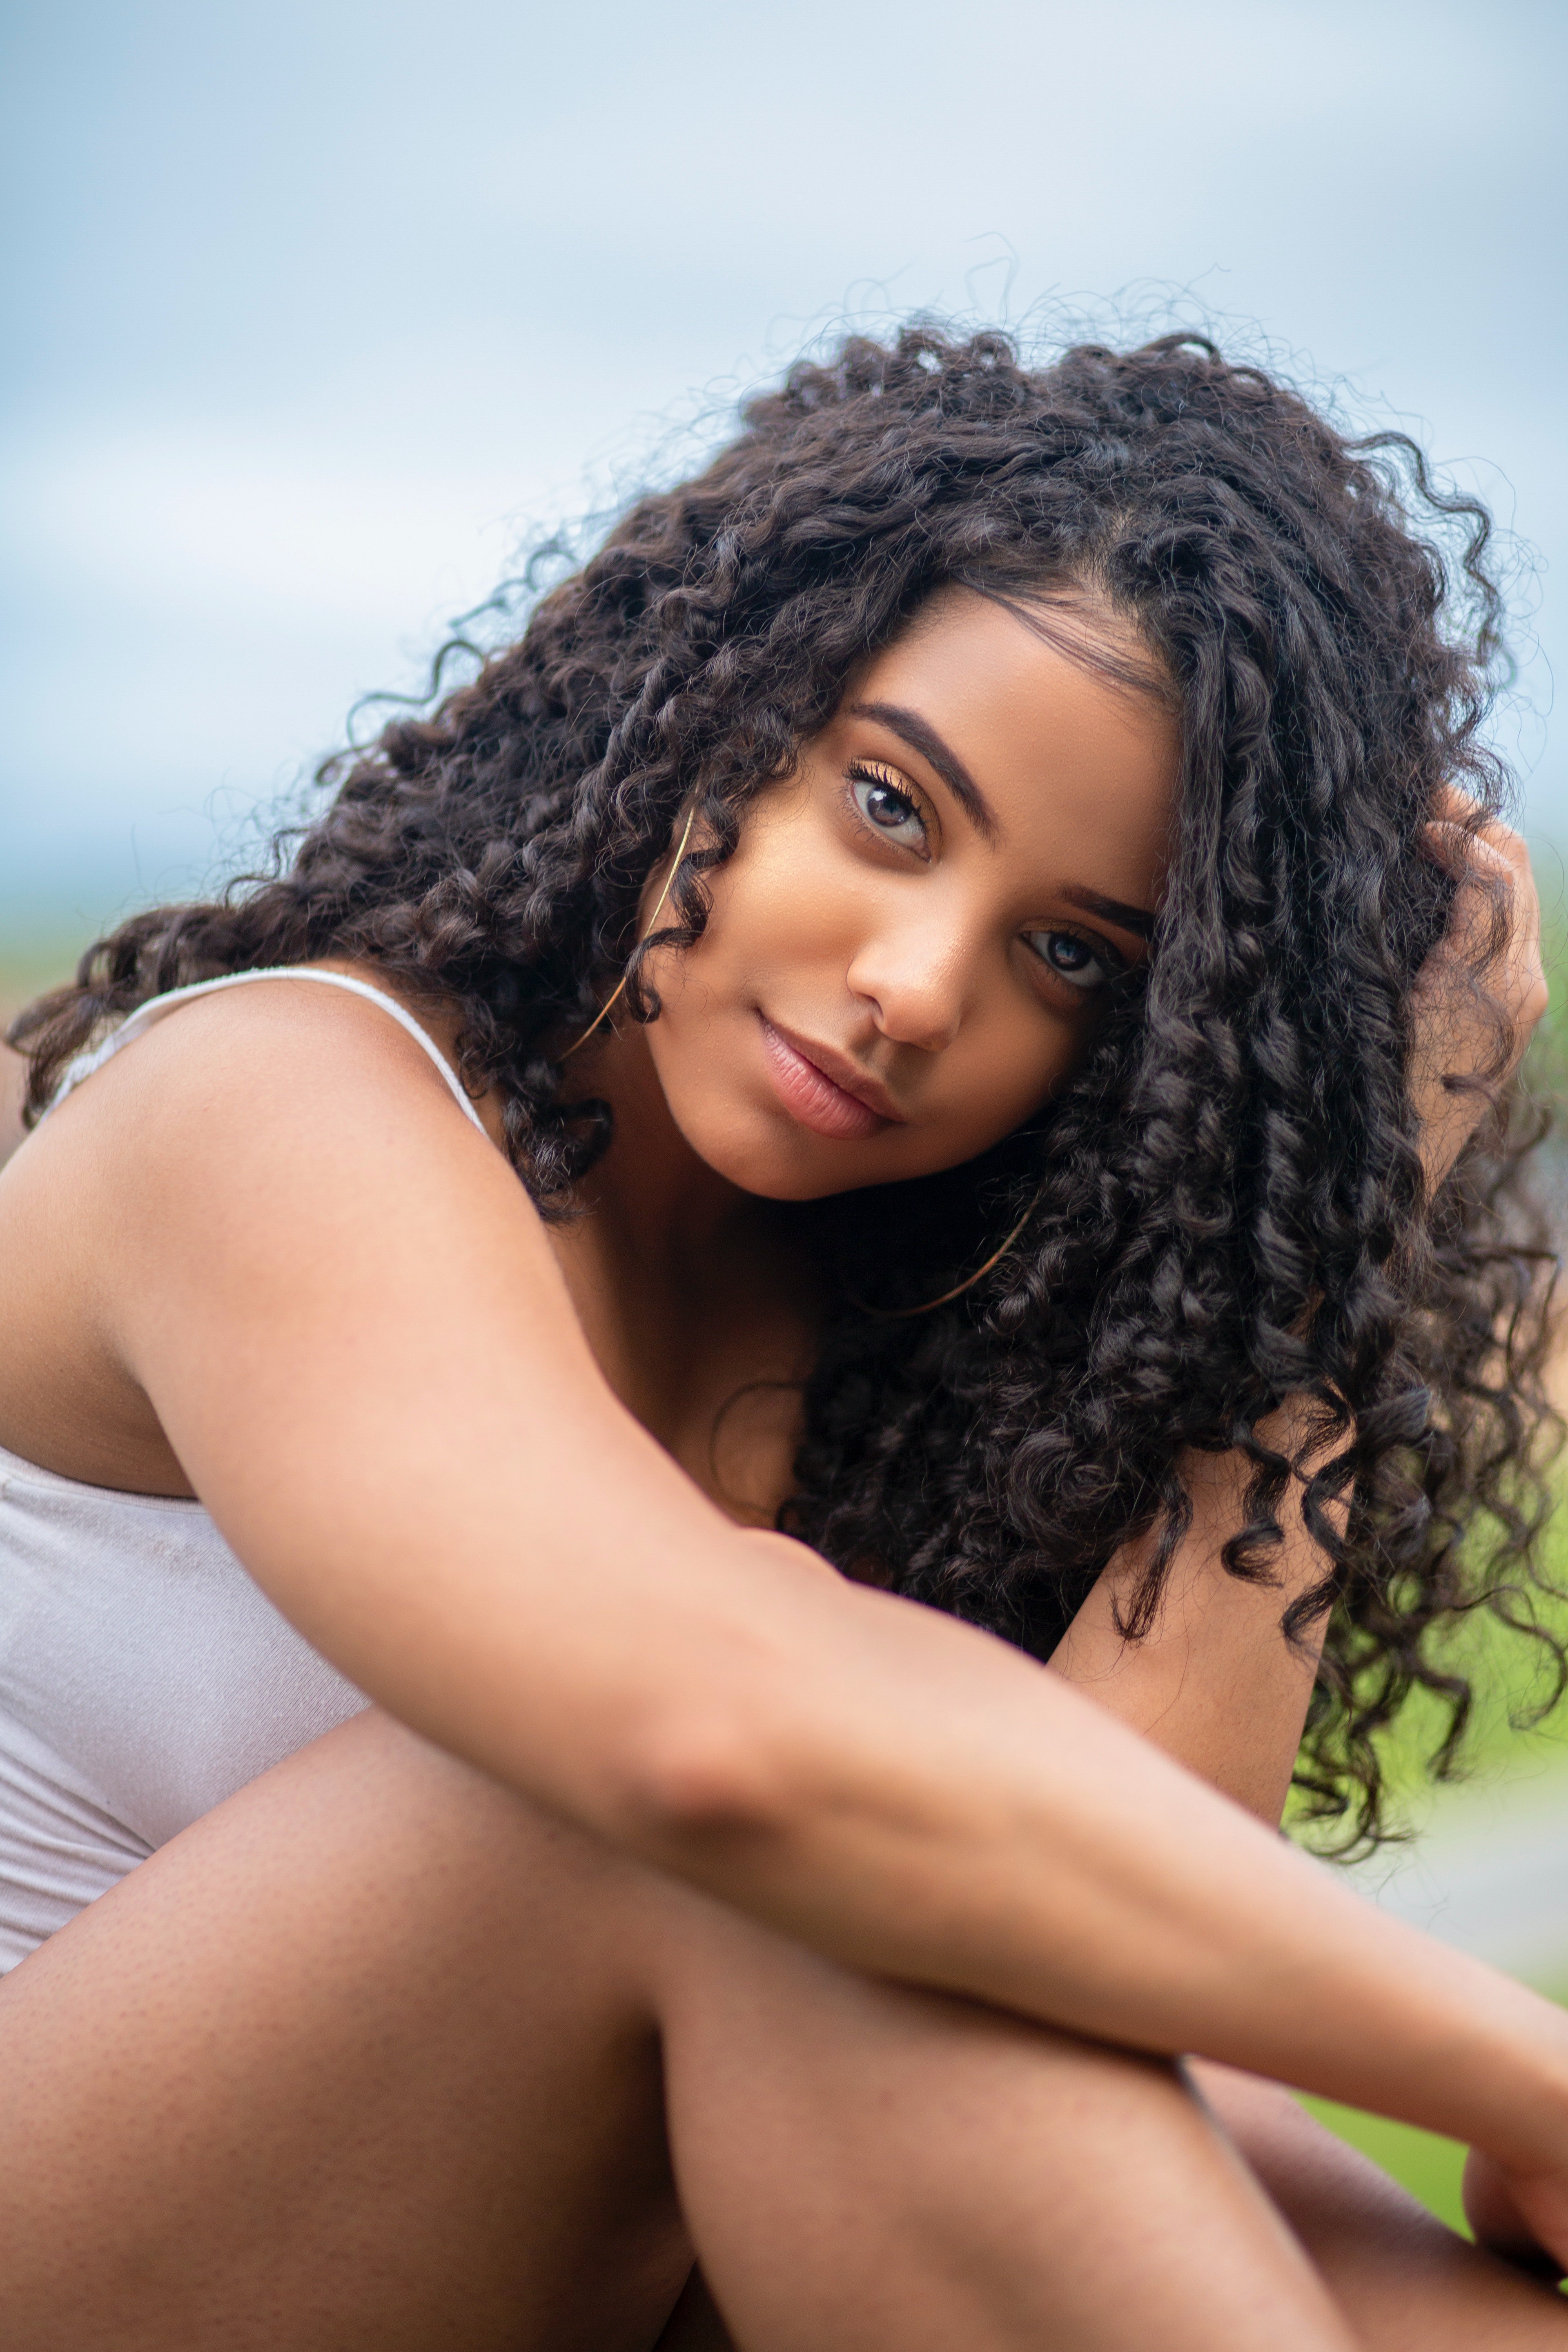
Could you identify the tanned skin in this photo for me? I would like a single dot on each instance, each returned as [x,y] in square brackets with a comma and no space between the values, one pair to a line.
[678,1897]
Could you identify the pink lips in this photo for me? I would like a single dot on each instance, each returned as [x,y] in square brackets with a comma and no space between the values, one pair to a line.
[809,1094]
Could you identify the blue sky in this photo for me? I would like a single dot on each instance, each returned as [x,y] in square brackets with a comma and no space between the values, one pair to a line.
[318,312]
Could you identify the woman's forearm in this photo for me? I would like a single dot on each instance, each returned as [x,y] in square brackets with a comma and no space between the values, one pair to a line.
[920,1800]
[906,1794]
[897,1790]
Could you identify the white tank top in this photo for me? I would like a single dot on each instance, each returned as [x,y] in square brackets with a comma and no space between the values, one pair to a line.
[144,1676]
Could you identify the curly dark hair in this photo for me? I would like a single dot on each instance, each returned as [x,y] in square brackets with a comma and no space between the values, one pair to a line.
[1223,1205]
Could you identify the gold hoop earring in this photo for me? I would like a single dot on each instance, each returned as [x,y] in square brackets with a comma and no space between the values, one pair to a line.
[900,1314]
[608,1005]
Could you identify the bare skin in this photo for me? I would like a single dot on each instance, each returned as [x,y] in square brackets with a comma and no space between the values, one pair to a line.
[745,1911]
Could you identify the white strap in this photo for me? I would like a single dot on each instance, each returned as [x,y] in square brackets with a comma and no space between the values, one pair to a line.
[142,1018]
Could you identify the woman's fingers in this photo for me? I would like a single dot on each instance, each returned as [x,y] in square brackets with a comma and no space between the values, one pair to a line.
[1490,864]
[1483,988]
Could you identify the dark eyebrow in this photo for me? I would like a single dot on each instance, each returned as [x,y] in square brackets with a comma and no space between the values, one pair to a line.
[921,736]
[1136,919]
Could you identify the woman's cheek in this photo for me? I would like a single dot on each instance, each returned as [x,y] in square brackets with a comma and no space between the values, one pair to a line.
[794,917]
[776,880]
[1015,1072]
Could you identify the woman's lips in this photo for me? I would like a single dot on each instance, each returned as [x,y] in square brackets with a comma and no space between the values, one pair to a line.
[809,1094]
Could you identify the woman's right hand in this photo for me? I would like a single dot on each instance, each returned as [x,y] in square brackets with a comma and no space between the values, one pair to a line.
[1523,2216]
[1477,997]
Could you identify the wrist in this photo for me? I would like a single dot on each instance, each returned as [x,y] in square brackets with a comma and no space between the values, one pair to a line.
[1520,2073]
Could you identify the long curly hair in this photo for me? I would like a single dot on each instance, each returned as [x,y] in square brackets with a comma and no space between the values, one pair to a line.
[1223,1205]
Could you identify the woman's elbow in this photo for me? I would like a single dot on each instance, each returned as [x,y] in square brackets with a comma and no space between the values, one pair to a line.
[706,1779]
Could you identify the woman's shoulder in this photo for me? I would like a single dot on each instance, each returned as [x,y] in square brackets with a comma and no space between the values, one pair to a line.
[278,1149]
[320,1035]
[433,1030]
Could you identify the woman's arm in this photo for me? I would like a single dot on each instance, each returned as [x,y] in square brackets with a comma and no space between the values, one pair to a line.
[1214,1682]
[352,1330]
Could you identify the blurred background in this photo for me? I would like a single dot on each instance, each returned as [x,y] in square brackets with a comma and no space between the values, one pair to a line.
[319,314]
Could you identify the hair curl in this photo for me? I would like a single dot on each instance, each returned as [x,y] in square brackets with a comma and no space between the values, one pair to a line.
[1223,1205]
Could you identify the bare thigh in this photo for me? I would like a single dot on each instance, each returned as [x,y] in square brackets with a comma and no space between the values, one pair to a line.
[1400,2280]
[363,2058]
[379,2056]
[1405,2281]
[877,2169]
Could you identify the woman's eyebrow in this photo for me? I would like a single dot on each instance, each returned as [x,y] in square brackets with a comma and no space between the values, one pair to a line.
[921,736]
[1136,919]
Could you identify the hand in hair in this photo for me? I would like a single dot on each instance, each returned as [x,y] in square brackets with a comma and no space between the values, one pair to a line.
[1483,988]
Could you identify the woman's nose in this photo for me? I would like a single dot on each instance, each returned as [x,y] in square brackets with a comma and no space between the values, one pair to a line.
[914,981]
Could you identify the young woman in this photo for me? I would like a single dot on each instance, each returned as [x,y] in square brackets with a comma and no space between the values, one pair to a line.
[928,1021]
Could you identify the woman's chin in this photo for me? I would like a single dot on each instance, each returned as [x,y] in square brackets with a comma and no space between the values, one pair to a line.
[775,1177]
[791,1165]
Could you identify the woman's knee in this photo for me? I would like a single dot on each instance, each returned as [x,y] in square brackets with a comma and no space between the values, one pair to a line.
[860,2164]
[1399,2275]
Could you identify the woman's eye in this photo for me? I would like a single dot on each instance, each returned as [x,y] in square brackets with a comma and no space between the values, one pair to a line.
[1072,958]
[888,809]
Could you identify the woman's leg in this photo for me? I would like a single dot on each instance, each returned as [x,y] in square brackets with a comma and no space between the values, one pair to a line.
[1406,2283]
[880,2170]
[1402,2281]
[363,2059]
[371,2058]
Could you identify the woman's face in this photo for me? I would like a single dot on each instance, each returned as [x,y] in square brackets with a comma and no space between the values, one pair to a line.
[911,946]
